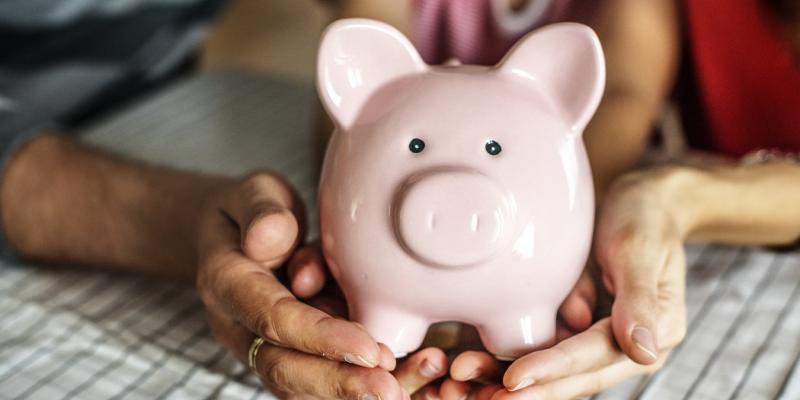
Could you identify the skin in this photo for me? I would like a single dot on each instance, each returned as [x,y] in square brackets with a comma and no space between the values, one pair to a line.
[231,234]
[643,221]
[66,203]
[63,202]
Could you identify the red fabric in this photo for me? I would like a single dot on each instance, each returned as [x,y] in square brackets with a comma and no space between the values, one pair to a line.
[747,77]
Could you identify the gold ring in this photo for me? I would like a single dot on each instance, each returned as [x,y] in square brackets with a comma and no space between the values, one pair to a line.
[253,353]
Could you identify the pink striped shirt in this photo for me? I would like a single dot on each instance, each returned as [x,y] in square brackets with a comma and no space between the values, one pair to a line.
[479,31]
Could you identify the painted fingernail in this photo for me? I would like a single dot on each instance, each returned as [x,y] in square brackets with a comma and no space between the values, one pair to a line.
[368,396]
[428,369]
[523,384]
[643,339]
[357,359]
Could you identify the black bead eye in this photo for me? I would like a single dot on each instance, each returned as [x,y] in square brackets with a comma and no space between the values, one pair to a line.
[416,145]
[493,147]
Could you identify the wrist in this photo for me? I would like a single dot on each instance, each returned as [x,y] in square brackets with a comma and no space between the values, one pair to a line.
[687,205]
[671,189]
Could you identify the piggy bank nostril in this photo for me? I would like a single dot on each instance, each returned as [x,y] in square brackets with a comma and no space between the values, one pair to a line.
[431,220]
[475,223]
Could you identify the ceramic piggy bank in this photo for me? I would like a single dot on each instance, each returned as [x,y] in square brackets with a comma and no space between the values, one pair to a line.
[457,193]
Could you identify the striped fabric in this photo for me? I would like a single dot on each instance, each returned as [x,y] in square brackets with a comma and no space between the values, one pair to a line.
[78,334]
[61,58]
[62,61]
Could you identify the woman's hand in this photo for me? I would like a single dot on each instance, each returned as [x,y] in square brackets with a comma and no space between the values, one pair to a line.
[639,249]
[250,229]
[473,372]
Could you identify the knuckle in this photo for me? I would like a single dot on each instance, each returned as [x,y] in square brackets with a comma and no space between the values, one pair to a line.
[378,381]
[645,295]
[259,180]
[273,371]
[346,387]
[201,284]
[676,335]
[270,322]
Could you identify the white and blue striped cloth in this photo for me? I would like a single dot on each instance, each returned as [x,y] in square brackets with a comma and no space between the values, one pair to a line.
[75,334]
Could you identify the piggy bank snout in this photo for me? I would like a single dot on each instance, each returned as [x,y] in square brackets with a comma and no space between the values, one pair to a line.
[451,218]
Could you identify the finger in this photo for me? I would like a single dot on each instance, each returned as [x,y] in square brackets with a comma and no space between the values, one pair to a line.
[562,331]
[332,305]
[307,272]
[289,371]
[581,385]
[576,310]
[229,333]
[386,358]
[475,366]
[430,392]
[256,299]
[265,210]
[487,392]
[452,389]
[421,368]
[585,352]
[634,265]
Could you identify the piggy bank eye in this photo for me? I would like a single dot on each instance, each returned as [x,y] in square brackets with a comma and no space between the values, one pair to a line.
[416,145]
[493,147]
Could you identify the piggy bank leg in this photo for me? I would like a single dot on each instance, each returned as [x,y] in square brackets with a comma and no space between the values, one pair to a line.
[512,337]
[403,332]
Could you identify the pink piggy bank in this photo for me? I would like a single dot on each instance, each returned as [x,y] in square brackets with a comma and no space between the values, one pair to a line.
[457,193]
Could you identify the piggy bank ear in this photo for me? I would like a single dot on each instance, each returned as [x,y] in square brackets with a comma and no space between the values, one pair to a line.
[566,61]
[357,57]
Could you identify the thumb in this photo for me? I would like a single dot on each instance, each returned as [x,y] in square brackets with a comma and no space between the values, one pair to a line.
[264,209]
[633,274]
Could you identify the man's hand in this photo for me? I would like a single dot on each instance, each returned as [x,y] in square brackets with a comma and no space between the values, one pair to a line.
[248,231]
[309,279]
[473,373]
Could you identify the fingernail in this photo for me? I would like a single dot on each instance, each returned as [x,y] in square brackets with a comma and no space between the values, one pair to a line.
[429,395]
[359,360]
[474,375]
[522,385]
[643,339]
[368,396]
[428,369]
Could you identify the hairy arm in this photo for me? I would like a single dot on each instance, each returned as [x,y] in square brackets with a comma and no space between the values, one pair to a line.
[641,41]
[65,202]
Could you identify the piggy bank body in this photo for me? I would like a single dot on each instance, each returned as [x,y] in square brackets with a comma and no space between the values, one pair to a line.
[457,193]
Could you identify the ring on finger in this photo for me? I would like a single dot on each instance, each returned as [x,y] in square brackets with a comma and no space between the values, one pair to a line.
[252,354]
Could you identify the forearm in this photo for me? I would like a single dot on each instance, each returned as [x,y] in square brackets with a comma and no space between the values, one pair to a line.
[641,43]
[64,202]
[616,138]
[755,205]
[744,205]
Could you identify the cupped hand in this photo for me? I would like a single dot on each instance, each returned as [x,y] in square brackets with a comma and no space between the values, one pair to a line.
[309,279]
[477,374]
[473,373]
[249,230]
[639,249]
